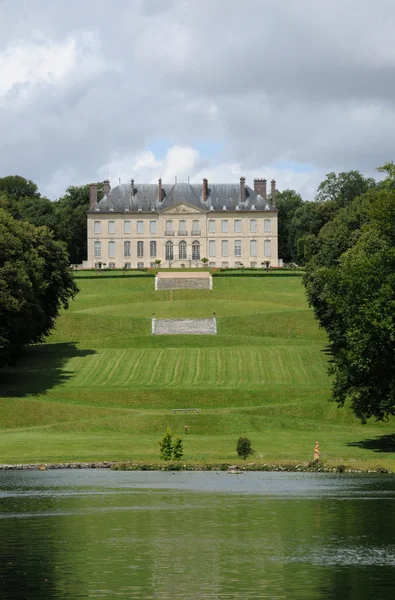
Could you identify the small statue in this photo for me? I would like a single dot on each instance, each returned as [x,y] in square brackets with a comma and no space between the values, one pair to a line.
[316,451]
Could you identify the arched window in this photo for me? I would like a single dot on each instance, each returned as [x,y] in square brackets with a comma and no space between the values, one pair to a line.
[97,249]
[169,250]
[182,250]
[196,250]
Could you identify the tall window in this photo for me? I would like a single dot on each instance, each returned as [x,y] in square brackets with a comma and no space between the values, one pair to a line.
[211,226]
[224,226]
[169,250]
[237,247]
[97,248]
[126,248]
[211,248]
[140,249]
[253,225]
[140,226]
[195,227]
[268,225]
[183,226]
[195,250]
[253,248]
[169,226]
[224,248]
[182,250]
[152,249]
[268,248]
[111,249]
[237,225]
[111,227]
[127,227]
[97,227]
[152,226]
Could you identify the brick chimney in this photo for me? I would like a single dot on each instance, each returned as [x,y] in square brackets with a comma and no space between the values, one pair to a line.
[205,189]
[132,187]
[93,195]
[106,187]
[273,194]
[160,190]
[260,187]
[242,189]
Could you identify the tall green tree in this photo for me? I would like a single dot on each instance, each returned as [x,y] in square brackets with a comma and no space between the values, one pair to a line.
[288,201]
[342,188]
[35,283]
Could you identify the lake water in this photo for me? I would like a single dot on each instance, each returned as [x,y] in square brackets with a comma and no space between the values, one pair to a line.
[103,534]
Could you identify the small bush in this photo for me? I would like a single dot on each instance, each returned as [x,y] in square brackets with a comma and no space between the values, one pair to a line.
[178,451]
[243,447]
[166,446]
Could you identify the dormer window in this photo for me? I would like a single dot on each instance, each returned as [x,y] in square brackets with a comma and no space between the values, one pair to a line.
[140,210]
[224,207]
[253,207]
[112,208]
[237,207]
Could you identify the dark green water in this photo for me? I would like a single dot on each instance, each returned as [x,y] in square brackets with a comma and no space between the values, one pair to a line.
[103,534]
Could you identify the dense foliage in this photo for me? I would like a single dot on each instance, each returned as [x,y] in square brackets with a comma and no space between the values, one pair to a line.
[350,282]
[35,282]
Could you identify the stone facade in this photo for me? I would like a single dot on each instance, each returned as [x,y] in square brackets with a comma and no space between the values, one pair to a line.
[180,224]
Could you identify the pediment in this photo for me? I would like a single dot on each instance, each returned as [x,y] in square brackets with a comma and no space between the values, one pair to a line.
[182,207]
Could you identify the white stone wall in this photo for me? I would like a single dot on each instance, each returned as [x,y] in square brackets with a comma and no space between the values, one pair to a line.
[118,237]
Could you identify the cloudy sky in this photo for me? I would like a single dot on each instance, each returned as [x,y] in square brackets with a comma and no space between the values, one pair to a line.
[284,89]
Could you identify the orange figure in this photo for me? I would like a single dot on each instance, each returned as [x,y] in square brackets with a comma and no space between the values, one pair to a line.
[316,451]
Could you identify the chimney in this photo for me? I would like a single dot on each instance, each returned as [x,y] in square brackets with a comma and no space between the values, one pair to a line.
[160,189]
[242,189]
[273,194]
[260,187]
[205,189]
[106,187]
[132,187]
[93,195]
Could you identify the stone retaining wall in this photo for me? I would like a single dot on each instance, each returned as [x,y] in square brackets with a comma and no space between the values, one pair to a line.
[184,326]
[183,283]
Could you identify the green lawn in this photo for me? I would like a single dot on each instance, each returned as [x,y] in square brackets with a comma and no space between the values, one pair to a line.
[102,388]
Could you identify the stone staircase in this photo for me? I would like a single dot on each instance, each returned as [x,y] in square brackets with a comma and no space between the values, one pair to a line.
[184,326]
[183,283]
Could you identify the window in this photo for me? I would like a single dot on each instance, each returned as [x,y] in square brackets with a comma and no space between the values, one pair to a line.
[128,265]
[224,226]
[253,248]
[237,247]
[211,264]
[211,226]
[127,227]
[111,265]
[126,248]
[169,226]
[182,250]
[195,227]
[152,226]
[152,249]
[111,227]
[253,225]
[211,248]
[268,225]
[253,265]
[140,265]
[97,247]
[183,226]
[237,225]
[195,250]
[97,227]
[140,226]
[224,248]
[225,264]
[111,249]
[140,249]
[268,249]
[169,250]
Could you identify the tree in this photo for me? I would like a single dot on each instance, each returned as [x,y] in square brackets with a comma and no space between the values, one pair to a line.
[205,261]
[243,447]
[166,445]
[344,187]
[288,202]
[178,450]
[35,283]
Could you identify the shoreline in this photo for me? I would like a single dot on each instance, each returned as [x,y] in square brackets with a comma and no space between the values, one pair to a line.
[222,467]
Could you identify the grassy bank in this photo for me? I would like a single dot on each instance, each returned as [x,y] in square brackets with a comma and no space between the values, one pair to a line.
[102,388]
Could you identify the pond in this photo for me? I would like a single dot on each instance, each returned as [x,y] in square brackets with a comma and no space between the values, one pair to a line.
[72,534]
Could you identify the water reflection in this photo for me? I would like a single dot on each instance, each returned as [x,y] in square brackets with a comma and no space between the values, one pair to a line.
[102,534]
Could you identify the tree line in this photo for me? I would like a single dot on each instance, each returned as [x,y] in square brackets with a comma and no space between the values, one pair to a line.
[345,239]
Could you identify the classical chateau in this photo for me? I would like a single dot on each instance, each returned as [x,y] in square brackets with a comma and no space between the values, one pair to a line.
[180,224]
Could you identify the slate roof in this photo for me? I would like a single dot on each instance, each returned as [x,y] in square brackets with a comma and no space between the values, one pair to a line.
[145,198]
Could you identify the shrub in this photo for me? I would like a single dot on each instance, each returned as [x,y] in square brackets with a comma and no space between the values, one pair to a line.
[243,447]
[166,446]
[178,450]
